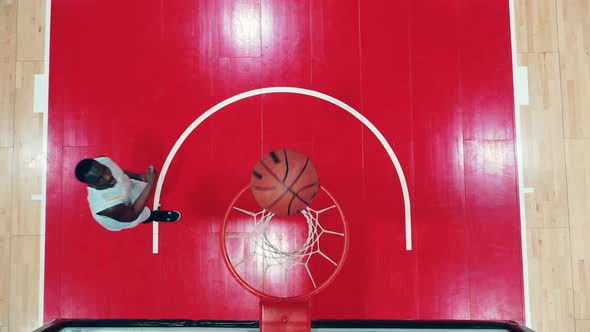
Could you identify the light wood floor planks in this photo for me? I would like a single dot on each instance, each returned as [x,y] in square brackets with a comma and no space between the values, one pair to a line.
[556,153]
[22,46]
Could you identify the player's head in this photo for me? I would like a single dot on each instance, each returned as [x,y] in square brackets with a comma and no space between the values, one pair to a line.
[94,174]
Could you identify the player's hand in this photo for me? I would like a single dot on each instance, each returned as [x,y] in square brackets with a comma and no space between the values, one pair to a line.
[151,175]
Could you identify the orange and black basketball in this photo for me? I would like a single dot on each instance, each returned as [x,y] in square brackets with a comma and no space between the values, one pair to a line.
[284,182]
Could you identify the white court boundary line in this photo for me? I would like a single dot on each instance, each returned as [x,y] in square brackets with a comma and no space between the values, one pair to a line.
[44,104]
[301,91]
[519,93]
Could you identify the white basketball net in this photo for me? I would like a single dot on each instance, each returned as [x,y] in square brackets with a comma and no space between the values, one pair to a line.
[272,256]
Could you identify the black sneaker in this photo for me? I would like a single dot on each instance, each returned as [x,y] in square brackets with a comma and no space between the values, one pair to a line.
[165,216]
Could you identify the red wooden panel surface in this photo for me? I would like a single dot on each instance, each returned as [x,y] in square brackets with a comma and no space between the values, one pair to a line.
[335,49]
[486,75]
[286,43]
[433,76]
[336,71]
[391,271]
[239,31]
[439,193]
[492,212]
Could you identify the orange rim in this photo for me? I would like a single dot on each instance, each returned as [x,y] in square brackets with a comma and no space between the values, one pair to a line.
[268,297]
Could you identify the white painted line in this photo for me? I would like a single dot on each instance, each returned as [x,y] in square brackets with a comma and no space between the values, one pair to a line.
[519,162]
[36,197]
[41,313]
[40,94]
[294,90]
[521,85]
[529,190]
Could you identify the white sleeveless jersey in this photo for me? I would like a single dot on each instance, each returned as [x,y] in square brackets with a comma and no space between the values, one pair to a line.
[125,191]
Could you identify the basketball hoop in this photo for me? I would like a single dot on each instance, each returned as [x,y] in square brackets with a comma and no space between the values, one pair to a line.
[292,260]
[284,260]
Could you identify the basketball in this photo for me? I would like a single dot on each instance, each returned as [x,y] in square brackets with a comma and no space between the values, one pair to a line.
[284,182]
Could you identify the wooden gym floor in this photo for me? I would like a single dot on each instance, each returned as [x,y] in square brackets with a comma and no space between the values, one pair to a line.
[555,143]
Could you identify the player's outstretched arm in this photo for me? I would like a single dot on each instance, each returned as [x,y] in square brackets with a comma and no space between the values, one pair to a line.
[135,176]
[121,212]
[124,213]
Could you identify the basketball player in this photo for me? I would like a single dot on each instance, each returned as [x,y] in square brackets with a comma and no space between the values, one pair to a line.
[118,197]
